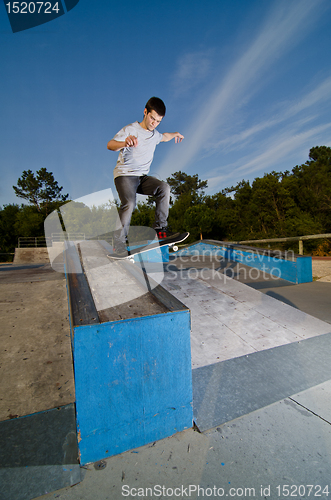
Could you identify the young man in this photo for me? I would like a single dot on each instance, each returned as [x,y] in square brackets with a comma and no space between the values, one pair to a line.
[136,144]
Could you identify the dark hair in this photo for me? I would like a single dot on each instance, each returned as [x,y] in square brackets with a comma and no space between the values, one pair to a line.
[157,105]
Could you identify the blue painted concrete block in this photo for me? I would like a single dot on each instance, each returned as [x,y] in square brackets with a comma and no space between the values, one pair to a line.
[304,269]
[133,382]
[160,254]
[297,268]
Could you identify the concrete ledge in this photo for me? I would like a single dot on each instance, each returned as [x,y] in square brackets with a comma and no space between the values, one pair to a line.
[132,358]
[286,265]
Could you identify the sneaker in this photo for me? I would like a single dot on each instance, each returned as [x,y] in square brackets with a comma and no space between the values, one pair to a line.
[119,255]
[164,232]
[119,251]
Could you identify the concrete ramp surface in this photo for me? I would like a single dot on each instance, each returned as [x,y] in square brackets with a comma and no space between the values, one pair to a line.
[230,319]
[248,349]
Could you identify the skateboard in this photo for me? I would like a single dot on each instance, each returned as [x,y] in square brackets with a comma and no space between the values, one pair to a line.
[171,242]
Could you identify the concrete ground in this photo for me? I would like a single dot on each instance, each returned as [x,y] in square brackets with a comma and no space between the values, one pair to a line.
[278,451]
[36,362]
[273,451]
[322,269]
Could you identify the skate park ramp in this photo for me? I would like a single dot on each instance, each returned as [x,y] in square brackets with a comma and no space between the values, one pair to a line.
[249,349]
[31,256]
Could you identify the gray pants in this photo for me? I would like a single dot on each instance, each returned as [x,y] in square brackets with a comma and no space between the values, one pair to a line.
[128,187]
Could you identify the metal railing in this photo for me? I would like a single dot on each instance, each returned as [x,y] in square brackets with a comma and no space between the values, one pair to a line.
[300,239]
[41,241]
[64,236]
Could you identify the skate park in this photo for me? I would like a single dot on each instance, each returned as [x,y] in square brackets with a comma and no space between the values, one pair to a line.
[257,374]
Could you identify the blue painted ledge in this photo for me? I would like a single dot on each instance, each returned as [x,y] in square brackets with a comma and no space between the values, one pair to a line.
[285,265]
[160,254]
[133,377]
[133,383]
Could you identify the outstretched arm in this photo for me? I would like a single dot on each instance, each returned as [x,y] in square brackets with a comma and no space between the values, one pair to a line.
[130,142]
[167,136]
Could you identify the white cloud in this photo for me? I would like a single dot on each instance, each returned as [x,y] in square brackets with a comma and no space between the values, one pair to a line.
[280,147]
[285,26]
[319,95]
[192,69]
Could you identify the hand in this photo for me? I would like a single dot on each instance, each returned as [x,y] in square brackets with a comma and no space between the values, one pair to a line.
[178,137]
[131,141]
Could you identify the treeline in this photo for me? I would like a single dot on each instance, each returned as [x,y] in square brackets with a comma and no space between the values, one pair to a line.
[43,194]
[273,206]
[276,205]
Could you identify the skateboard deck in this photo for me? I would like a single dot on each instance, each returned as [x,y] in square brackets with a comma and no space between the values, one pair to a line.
[171,242]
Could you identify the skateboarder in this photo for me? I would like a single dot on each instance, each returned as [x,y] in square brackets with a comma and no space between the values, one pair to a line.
[136,144]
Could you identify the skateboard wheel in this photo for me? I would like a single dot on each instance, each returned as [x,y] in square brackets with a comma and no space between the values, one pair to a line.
[175,248]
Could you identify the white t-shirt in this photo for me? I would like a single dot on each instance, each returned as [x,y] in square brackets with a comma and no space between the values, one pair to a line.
[136,160]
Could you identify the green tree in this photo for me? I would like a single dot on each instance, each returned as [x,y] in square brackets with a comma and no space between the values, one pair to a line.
[310,185]
[143,215]
[8,234]
[188,191]
[199,219]
[224,216]
[16,221]
[93,221]
[181,183]
[270,204]
[237,218]
[41,190]
[29,222]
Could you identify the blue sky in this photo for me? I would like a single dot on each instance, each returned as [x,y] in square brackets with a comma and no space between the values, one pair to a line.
[248,83]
